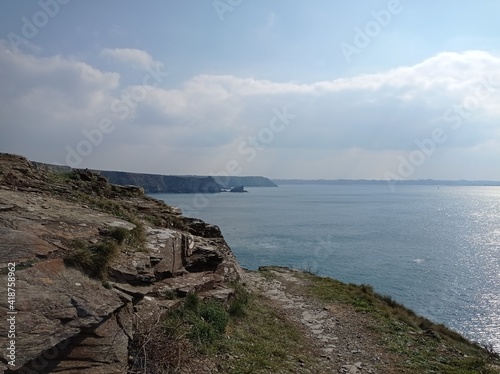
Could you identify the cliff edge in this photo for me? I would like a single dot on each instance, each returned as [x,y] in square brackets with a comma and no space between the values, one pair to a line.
[90,262]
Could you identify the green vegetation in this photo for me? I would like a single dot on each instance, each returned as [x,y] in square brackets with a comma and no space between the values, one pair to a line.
[264,341]
[239,304]
[169,294]
[174,339]
[134,239]
[93,260]
[120,234]
[246,336]
[425,346]
[201,321]
[205,321]
[59,177]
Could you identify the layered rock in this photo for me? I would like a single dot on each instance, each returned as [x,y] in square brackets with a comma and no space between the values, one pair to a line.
[68,321]
[153,183]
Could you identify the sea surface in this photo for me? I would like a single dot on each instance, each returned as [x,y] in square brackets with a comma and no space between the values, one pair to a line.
[434,249]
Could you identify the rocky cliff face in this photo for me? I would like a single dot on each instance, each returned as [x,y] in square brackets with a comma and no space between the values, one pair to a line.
[93,261]
[153,183]
[233,181]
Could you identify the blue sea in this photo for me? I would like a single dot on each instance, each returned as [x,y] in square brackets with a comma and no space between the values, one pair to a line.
[434,249]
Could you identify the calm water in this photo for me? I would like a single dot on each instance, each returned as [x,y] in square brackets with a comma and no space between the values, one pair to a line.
[436,250]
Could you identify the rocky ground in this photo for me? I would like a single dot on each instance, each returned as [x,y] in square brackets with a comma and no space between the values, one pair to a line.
[81,316]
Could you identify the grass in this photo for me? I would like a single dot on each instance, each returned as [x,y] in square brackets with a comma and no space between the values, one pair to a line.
[426,347]
[134,239]
[263,341]
[202,322]
[239,303]
[120,234]
[93,260]
[247,336]
[137,236]
[179,336]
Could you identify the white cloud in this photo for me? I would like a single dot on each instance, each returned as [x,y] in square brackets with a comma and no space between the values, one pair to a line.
[351,127]
[45,102]
[389,110]
[135,57]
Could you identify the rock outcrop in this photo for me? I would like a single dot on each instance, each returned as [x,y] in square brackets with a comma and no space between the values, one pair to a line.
[69,319]
[238,189]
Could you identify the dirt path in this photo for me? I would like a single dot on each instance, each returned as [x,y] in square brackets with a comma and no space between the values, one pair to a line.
[341,336]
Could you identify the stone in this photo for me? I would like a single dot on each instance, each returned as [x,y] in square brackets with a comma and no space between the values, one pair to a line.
[20,246]
[105,350]
[6,208]
[68,322]
[51,313]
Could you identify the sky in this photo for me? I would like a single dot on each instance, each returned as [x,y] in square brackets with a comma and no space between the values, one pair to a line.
[330,89]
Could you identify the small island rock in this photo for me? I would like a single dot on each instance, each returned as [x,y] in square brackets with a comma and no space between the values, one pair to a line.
[238,189]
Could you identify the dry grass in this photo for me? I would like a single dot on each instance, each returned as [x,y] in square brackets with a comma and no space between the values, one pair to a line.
[93,260]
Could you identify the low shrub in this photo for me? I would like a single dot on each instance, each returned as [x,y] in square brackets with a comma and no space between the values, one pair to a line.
[120,234]
[239,304]
[202,321]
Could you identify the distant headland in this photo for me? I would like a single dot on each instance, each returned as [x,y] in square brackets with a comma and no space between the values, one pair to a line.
[156,183]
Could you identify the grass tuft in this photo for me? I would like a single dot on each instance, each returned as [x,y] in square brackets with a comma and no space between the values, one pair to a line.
[93,260]
[120,234]
[239,304]
[202,321]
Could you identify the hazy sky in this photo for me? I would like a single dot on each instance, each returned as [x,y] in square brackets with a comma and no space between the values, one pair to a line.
[281,88]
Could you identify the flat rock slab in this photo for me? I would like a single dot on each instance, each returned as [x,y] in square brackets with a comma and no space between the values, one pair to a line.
[20,246]
[54,303]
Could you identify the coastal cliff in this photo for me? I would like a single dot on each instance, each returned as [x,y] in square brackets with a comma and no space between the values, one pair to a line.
[104,279]
[156,183]
[255,181]
[93,262]
[153,183]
